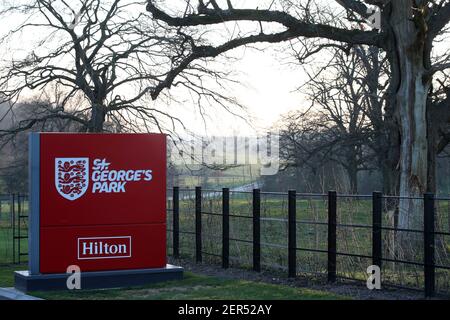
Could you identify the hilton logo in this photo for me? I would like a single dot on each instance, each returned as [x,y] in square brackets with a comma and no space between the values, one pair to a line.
[104,248]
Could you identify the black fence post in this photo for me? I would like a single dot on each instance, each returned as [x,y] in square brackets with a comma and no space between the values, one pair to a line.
[225,227]
[176,221]
[19,214]
[292,233]
[429,267]
[332,206]
[198,224]
[377,206]
[13,220]
[10,210]
[256,230]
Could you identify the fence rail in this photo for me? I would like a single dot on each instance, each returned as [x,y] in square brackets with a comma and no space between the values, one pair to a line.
[334,235]
[13,228]
[378,229]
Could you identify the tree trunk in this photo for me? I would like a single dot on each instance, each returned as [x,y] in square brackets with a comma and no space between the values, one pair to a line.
[433,138]
[409,30]
[390,176]
[389,151]
[352,173]
[97,118]
[354,181]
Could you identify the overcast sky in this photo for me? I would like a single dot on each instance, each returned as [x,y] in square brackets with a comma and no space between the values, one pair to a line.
[267,89]
[267,83]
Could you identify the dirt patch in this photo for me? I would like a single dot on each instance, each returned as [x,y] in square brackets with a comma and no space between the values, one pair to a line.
[354,290]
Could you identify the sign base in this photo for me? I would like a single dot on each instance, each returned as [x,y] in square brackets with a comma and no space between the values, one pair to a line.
[26,282]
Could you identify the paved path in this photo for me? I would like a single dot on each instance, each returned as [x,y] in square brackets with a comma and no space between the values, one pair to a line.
[13,294]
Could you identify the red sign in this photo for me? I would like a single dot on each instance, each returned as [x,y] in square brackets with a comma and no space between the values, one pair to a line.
[102,201]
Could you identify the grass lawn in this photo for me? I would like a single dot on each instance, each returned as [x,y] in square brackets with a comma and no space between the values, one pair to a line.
[198,287]
[192,287]
[274,239]
[6,233]
[7,274]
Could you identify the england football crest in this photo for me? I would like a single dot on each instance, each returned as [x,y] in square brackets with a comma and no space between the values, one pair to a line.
[71,177]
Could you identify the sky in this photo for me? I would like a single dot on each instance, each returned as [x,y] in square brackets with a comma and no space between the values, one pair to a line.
[272,85]
[267,90]
[266,87]
[267,84]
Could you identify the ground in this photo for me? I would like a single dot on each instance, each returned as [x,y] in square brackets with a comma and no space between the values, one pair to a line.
[194,286]
[346,290]
[205,281]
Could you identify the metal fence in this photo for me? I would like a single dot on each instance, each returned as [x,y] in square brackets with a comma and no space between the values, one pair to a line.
[329,235]
[13,228]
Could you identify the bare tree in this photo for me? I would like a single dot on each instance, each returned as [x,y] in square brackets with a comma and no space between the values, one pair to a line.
[312,147]
[109,56]
[438,119]
[407,32]
[14,148]
[341,129]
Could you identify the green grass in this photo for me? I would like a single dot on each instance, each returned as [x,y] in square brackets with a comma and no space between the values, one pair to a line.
[6,245]
[197,287]
[349,240]
[192,287]
[233,177]
[7,274]
[6,233]
[275,231]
